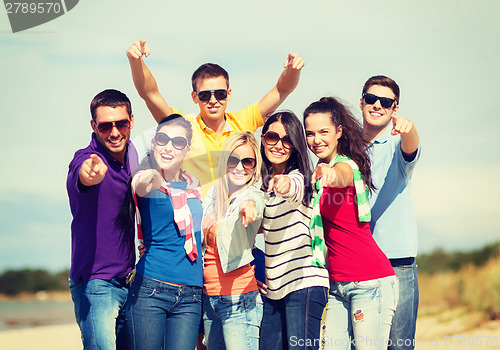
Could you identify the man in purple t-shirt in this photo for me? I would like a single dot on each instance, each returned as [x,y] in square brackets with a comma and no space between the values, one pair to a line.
[102,253]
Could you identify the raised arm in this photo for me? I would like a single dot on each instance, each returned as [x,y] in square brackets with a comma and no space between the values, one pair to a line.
[287,82]
[144,81]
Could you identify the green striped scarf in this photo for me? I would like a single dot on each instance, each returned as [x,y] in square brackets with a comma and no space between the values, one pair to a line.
[316,225]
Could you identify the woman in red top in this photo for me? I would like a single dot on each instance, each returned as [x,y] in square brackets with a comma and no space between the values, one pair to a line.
[363,287]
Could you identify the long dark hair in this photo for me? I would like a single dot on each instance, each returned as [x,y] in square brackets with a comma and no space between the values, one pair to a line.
[299,159]
[351,143]
[126,216]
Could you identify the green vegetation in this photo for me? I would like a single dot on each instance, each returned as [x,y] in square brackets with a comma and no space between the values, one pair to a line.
[462,279]
[28,280]
[440,261]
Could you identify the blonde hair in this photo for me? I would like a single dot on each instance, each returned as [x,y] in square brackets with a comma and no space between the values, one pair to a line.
[223,197]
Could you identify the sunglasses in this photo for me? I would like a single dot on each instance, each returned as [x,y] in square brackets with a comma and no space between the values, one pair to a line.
[206,95]
[106,127]
[162,139]
[385,102]
[248,163]
[271,138]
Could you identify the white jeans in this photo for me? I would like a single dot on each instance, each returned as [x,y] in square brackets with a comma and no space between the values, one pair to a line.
[360,314]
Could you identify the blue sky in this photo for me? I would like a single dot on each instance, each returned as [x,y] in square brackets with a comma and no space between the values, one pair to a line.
[444,55]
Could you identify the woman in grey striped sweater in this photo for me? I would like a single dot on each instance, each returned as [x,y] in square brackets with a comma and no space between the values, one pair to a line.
[296,290]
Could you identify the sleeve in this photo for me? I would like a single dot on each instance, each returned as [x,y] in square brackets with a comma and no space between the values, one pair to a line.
[296,192]
[406,167]
[248,119]
[73,181]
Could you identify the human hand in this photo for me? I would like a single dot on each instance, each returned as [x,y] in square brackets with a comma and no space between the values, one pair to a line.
[324,172]
[262,288]
[142,250]
[401,126]
[294,61]
[248,212]
[148,181]
[92,171]
[138,49]
[280,184]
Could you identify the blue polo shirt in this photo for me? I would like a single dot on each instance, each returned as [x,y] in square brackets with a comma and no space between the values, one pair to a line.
[393,222]
[99,249]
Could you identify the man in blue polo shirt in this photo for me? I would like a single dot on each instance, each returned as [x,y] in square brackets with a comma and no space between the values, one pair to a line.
[395,150]
[102,254]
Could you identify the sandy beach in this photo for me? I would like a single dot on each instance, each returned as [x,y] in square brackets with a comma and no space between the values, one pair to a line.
[59,337]
[436,330]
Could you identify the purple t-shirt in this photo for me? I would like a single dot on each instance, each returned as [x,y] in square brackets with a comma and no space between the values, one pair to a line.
[100,250]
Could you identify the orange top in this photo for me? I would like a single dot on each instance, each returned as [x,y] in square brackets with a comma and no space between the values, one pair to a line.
[215,281]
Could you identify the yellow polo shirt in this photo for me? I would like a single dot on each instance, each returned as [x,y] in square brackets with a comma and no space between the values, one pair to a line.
[203,158]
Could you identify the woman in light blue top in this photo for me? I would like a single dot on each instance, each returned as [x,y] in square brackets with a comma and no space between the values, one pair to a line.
[164,308]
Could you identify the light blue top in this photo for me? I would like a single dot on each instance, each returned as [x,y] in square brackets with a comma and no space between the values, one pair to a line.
[234,241]
[393,222]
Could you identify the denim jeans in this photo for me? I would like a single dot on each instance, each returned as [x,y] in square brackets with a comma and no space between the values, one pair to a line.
[100,313]
[405,319]
[294,322]
[360,313]
[232,322]
[160,314]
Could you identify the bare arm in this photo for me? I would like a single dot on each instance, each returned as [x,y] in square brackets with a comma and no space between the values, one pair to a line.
[287,82]
[409,135]
[144,81]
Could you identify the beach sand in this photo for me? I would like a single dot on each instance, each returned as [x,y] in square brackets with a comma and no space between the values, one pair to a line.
[58,337]
[450,329]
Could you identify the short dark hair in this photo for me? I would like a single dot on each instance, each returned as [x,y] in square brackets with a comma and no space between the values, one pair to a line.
[208,70]
[384,81]
[110,98]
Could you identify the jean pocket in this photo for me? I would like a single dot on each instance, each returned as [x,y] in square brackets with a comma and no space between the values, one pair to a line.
[370,284]
[198,296]
[143,291]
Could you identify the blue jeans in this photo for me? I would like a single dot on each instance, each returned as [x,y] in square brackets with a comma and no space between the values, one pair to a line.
[294,322]
[360,313]
[232,322]
[405,319]
[160,314]
[100,313]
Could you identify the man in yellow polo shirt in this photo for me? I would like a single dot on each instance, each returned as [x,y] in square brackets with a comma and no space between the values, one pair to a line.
[211,93]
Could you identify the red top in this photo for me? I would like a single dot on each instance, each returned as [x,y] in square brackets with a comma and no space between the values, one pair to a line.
[353,254]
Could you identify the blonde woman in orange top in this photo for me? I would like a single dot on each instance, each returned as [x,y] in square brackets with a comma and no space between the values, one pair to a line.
[232,306]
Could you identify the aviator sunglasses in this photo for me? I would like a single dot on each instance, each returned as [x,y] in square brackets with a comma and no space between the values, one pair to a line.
[206,95]
[248,163]
[106,127]
[271,138]
[163,139]
[371,99]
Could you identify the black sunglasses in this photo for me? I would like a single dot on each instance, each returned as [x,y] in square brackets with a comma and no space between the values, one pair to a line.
[385,102]
[206,95]
[271,138]
[163,139]
[106,127]
[248,163]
